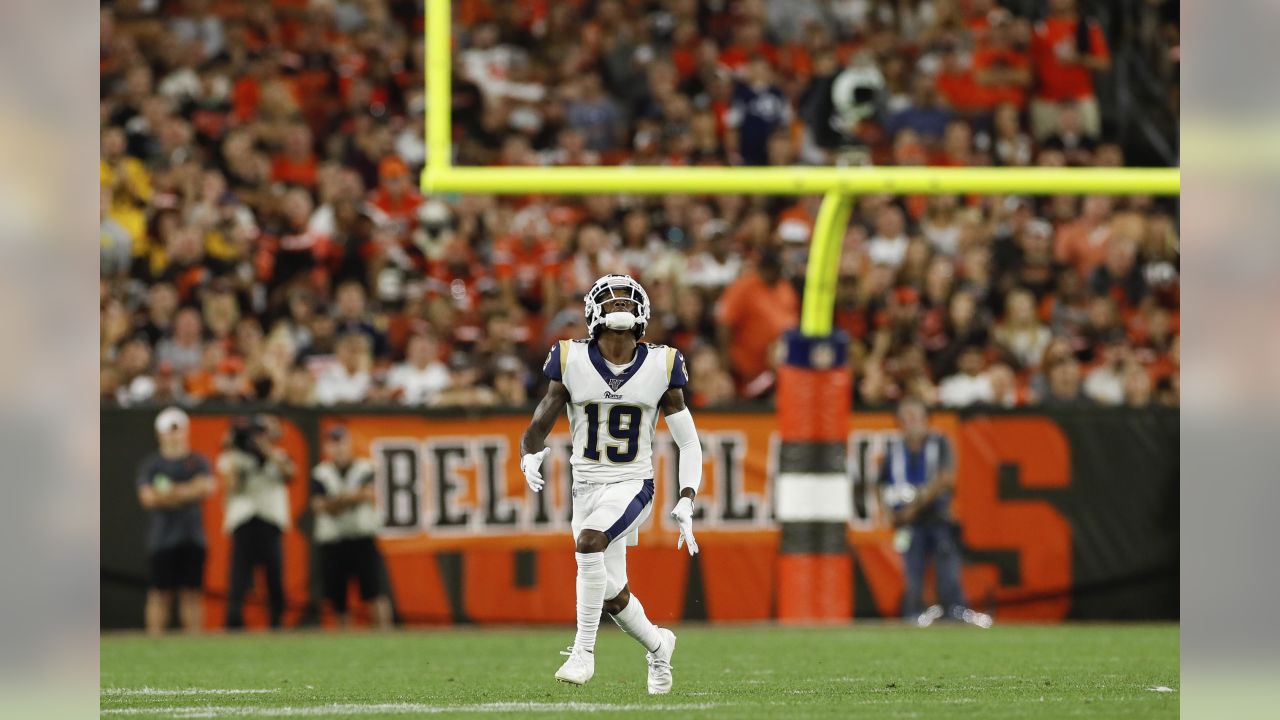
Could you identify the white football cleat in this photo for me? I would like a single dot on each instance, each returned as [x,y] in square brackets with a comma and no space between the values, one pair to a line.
[579,668]
[660,663]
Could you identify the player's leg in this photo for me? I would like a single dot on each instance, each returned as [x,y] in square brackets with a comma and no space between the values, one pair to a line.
[579,667]
[589,554]
[160,593]
[365,568]
[589,548]
[600,514]
[628,612]
[241,574]
[625,608]
[273,560]
[947,564]
[334,579]
[159,605]
[618,511]
[191,593]
[914,565]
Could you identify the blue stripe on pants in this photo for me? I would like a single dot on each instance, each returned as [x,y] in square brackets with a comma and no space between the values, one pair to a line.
[634,508]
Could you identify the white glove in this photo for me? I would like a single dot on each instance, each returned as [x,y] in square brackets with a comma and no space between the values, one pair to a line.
[683,515]
[531,465]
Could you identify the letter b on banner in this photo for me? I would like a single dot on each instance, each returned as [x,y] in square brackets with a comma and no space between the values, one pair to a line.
[400,487]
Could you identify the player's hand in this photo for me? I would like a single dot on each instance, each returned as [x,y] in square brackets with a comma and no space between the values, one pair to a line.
[683,515]
[531,465]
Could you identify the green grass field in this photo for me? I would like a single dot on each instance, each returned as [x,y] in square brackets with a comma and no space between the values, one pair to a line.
[868,671]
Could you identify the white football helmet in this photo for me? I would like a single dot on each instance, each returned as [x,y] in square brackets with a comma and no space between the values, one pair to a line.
[614,287]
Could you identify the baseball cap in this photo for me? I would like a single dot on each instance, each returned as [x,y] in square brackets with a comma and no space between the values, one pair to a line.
[337,432]
[171,418]
[392,166]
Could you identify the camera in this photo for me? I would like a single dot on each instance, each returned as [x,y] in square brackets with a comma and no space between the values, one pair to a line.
[246,433]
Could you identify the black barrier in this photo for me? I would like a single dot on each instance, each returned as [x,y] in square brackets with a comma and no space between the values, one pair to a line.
[1121,504]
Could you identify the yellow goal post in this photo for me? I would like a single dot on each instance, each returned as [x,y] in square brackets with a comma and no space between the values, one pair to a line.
[838,185]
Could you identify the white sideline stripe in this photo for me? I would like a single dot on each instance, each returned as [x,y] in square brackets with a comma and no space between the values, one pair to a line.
[187,691]
[348,709]
[814,496]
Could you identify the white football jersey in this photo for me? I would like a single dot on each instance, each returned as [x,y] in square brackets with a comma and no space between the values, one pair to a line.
[613,416]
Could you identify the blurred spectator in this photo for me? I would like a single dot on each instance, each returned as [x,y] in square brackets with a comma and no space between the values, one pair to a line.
[352,316]
[717,266]
[264,175]
[710,383]
[1010,145]
[172,484]
[970,385]
[1002,69]
[1064,385]
[509,384]
[256,475]
[526,263]
[889,245]
[421,378]
[465,387]
[1022,336]
[346,525]
[1119,275]
[759,110]
[1067,50]
[917,479]
[752,315]
[594,114]
[1137,386]
[299,389]
[1070,138]
[136,386]
[1005,391]
[349,379]
[925,115]
[162,306]
[182,350]
[1105,383]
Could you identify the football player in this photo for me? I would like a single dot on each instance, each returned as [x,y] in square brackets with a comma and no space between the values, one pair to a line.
[613,386]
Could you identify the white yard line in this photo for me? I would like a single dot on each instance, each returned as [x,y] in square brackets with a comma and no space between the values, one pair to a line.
[349,709]
[110,692]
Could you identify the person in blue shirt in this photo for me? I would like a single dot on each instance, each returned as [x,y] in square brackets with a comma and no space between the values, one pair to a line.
[758,110]
[917,478]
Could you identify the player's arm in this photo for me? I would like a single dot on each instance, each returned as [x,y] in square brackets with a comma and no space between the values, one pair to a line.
[153,499]
[944,478]
[680,423]
[533,444]
[194,490]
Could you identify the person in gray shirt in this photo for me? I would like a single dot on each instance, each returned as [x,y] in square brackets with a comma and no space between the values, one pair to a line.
[173,483]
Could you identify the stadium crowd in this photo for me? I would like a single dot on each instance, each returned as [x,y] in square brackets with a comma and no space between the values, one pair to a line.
[263,238]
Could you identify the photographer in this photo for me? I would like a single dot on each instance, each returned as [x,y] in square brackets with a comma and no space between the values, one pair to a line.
[917,479]
[257,512]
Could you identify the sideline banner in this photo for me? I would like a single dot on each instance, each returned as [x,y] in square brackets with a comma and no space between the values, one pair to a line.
[1064,515]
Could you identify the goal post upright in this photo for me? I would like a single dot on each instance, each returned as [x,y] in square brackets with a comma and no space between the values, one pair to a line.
[813,488]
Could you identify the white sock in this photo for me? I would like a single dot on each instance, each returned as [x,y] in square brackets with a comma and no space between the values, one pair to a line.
[633,622]
[591,578]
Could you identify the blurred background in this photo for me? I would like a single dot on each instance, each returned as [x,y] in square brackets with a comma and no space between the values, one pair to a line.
[264,249]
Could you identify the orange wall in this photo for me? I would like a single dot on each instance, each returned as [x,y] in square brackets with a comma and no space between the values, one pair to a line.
[739,549]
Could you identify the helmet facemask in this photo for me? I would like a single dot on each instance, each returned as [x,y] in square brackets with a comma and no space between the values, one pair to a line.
[599,301]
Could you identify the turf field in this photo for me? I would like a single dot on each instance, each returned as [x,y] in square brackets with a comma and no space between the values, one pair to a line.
[871,671]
